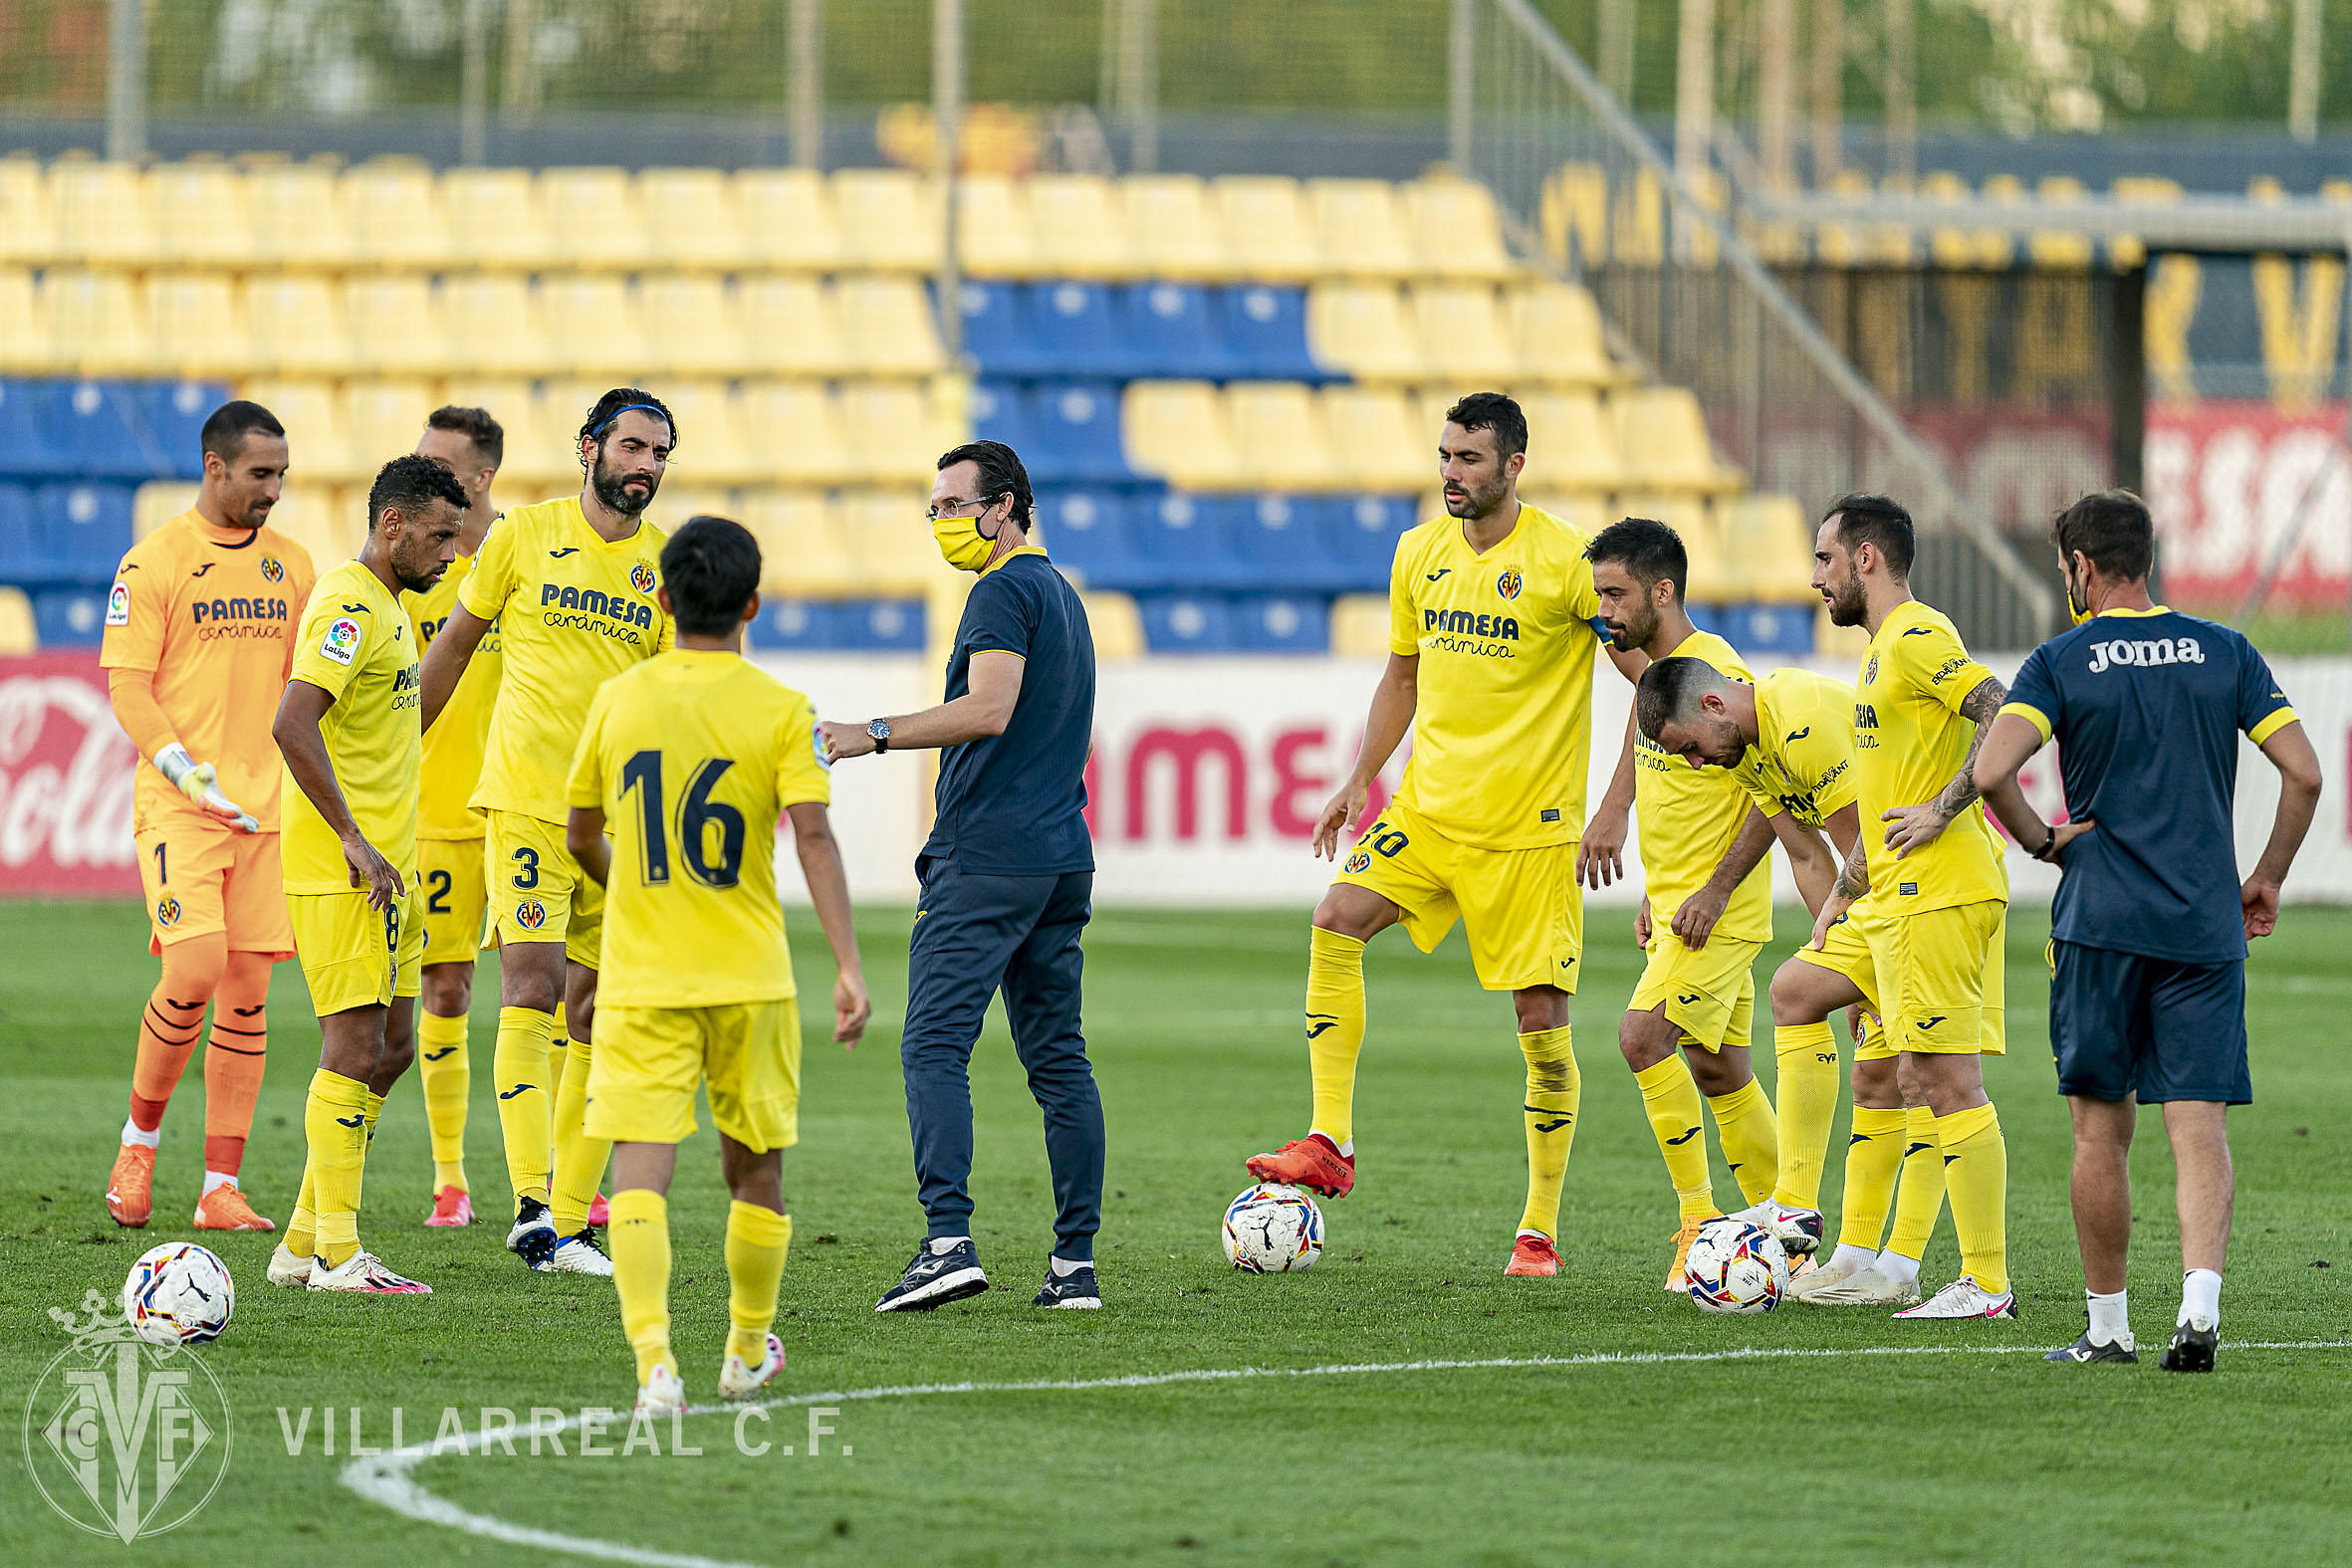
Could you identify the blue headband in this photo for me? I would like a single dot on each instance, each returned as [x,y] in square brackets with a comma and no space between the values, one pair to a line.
[644,408]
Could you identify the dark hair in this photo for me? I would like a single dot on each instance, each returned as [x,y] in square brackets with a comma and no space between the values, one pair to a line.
[617,402]
[1493,411]
[2113,529]
[1001,474]
[227,427]
[475,425]
[1650,550]
[711,568]
[1669,689]
[411,483]
[1864,519]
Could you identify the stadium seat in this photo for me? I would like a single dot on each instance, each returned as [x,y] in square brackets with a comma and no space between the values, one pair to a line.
[595,328]
[1571,443]
[1359,538]
[789,221]
[1111,618]
[998,335]
[890,541]
[680,501]
[593,218]
[84,528]
[297,324]
[156,504]
[890,219]
[1078,229]
[83,430]
[690,324]
[21,549]
[1362,229]
[799,625]
[1767,631]
[200,326]
[1079,331]
[888,325]
[879,625]
[692,222]
[1282,624]
[318,435]
[1190,542]
[1379,442]
[101,213]
[296,219]
[1465,333]
[1768,549]
[1186,624]
[1180,431]
[1557,328]
[1361,328]
[993,233]
[1073,428]
[1587,515]
[1280,539]
[1172,329]
[1456,230]
[1174,228]
[26,346]
[385,418]
[1283,437]
[999,412]
[330,523]
[713,449]
[2066,251]
[796,433]
[890,436]
[1091,530]
[172,414]
[1688,517]
[1360,626]
[69,618]
[792,328]
[1664,426]
[1265,329]
[1268,230]
[27,235]
[495,325]
[400,325]
[804,547]
[542,424]
[202,217]
[392,209]
[97,322]
[495,220]
[20,633]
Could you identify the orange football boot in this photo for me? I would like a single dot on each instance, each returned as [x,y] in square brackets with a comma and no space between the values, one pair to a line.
[226,1208]
[1681,1249]
[131,1187]
[1312,1161]
[452,1206]
[1533,1256]
[601,1212]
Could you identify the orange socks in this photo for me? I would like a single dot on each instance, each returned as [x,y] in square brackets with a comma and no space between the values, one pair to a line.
[234,1056]
[174,1018]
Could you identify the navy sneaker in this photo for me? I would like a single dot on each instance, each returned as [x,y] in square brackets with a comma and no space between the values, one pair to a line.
[2089,1349]
[936,1278]
[533,1238]
[2192,1349]
[1070,1290]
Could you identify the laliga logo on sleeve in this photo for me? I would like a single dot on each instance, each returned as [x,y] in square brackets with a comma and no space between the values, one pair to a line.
[641,577]
[119,606]
[341,642]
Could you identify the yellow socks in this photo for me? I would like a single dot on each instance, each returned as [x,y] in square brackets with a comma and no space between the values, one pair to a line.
[1806,1093]
[1334,1029]
[1671,1099]
[1977,1170]
[579,1159]
[448,1077]
[640,1240]
[1921,1198]
[1751,1137]
[302,1227]
[1553,1089]
[1874,1153]
[558,1058]
[521,1065]
[757,1240]
[335,1123]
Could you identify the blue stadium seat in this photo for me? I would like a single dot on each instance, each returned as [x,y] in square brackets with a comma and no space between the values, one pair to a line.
[1282,539]
[1081,333]
[1175,332]
[1073,428]
[802,624]
[96,431]
[1360,534]
[86,528]
[880,626]
[999,333]
[1193,541]
[1186,624]
[1091,530]
[71,617]
[1266,330]
[1282,624]
[999,414]
[175,413]
[1765,629]
[20,539]
[24,407]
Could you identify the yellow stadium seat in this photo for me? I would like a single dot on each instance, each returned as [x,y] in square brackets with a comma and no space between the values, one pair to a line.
[804,548]
[200,325]
[796,433]
[2069,250]
[1283,437]
[1465,333]
[158,502]
[1841,648]
[890,219]
[329,522]
[98,323]
[712,449]
[102,213]
[18,636]
[890,541]
[1360,327]
[1767,549]
[594,327]
[1360,626]
[1116,626]
[1571,443]
[296,220]
[1376,437]
[398,324]
[888,325]
[383,419]
[791,326]
[1173,228]
[1556,330]
[495,219]
[542,428]
[593,218]
[790,221]
[678,504]
[996,238]
[1268,229]
[1713,579]
[319,447]
[26,345]
[1587,515]
[1456,229]
[1080,230]
[26,234]
[392,212]
[1362,225]
[1663,435]
[298,326]
[888,427]
[495,326]
[1181,431]
[203,216]
[691,221]
[691,328]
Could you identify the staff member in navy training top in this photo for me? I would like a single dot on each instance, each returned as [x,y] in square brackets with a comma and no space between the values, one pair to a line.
[2149,926]
[1007,879]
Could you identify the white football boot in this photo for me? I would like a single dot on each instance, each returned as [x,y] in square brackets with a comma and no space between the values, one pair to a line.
[1964,1297]
[362,1274]
[580,1255]
[738,1381]
[1866,1286]
[289,1270]
[662,1395]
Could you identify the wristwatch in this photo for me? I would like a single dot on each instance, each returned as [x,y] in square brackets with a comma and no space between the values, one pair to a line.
[879,729]
[2047,844]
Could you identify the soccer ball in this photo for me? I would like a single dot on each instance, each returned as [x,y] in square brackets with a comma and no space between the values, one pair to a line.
[178,1293]
[1734,1267]
[1272,1229]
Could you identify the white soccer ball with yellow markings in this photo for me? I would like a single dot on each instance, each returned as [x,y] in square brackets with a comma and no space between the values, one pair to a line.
[1734,1267]
[1272,1229]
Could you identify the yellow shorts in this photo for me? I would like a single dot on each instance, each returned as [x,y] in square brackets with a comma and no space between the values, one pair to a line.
[1522,908]
[536,890]
[1847,951]
[201,879]
[649,1059]
[1709,994]
[452,888]
[353,955]
[1949,977]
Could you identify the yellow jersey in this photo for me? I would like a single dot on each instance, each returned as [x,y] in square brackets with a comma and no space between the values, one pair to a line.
[1688,817]
[1502,723]
[1908,743]
[693,758]
[1803,761]
[356,645]
[573,610]
[453,747]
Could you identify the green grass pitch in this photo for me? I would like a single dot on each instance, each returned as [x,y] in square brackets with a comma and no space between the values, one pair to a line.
[1964,1457]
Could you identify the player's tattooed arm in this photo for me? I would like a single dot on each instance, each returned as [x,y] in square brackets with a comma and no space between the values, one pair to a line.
[1917,827]
[1853,880]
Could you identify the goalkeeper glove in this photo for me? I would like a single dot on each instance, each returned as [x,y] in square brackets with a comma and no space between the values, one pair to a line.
[200,783]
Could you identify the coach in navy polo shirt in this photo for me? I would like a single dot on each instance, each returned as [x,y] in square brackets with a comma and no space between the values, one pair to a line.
[2151,921]
[1008,879]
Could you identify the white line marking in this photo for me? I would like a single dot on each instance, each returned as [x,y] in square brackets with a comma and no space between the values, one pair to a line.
[386,1478]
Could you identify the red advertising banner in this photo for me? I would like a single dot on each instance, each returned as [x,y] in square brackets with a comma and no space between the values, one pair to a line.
[65,772]
[2228,481]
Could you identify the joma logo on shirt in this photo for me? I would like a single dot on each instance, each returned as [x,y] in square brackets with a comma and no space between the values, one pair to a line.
[2145,655]
[237,610]
[1504,627]
[589,601]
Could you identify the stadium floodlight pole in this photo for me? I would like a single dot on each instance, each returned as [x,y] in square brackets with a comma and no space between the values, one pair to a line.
[805,88]
[947,126]
[1460,53]
[1139,60]
[473,85]
[126,80]
[1902,106]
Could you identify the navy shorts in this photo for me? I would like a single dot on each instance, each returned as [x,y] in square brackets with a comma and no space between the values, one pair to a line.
[2125,1024]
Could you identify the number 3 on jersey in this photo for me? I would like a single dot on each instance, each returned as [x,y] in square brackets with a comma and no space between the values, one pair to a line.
[697,817]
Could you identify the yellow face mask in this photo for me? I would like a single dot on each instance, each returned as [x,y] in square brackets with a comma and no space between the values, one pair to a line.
[2075,606]
[962,544]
